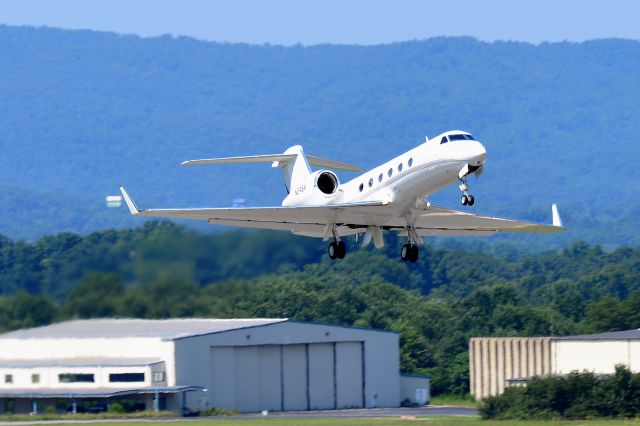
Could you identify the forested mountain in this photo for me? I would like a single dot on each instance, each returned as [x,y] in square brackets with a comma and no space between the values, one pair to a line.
[84,111]
[162,270]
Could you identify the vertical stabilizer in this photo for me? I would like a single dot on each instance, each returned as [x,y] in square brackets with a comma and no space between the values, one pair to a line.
[294,171]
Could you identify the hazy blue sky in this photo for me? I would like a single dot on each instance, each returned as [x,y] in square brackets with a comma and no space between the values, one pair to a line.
[334,21]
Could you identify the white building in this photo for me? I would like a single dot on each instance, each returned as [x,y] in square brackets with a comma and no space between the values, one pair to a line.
[497,362]
[244,364]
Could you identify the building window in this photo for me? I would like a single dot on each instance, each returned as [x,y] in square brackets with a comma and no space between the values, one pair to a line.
[76,378]
[126,377]
[8,378]
[410,162]
[158,376]
[361,187]
[35,378]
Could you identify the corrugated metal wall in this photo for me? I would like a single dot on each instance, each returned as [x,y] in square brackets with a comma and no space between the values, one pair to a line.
[495,360]
[287,377]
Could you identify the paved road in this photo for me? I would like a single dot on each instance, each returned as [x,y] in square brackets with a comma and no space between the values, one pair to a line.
[369,413]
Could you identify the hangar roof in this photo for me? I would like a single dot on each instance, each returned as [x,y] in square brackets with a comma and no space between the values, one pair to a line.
[614,335]
[168,329]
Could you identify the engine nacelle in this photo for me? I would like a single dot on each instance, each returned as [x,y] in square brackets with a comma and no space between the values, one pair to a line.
[325,181]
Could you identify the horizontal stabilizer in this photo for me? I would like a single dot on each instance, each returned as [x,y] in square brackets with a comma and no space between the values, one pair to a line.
[248,159]
[330,164]
[279,158]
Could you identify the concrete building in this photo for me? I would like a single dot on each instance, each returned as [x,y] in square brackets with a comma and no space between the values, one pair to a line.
[244,364]
[498,362]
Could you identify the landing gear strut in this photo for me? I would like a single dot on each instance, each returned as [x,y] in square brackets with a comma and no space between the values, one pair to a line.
[337,248]
[466,199]
[409,251]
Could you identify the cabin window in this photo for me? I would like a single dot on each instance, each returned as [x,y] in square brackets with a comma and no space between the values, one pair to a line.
[370,182]
[35,378]
[399,167]
[361,187]
[443,140]
[390,172]
[126,377]
[380,178]
[8,378]
[410,162]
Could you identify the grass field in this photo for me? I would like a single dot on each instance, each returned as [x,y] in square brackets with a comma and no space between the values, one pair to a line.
[435,421]
[461,401]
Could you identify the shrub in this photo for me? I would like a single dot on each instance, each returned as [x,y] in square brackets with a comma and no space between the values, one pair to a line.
[576,396]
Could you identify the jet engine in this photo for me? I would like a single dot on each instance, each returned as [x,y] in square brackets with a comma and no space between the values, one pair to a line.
[327,182]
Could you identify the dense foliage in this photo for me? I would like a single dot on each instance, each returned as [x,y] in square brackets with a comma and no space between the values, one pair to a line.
[163,270]
[576,396]
[83,112]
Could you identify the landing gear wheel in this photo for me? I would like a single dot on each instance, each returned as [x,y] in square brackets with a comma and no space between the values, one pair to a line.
[405,252]
[333,250]
[464,200]
[342,249]
[413,254]
[470,200]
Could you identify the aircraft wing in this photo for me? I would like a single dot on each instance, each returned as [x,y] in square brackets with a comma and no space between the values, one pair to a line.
[303,220]
[441,221]
[352,218]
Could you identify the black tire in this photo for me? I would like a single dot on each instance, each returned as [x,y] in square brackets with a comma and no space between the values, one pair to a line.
[470,200]
[413,254]
[342,249]
[405,252]
[333,251]
[464,200]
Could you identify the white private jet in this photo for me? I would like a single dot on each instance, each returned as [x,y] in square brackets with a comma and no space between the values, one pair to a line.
[392,196]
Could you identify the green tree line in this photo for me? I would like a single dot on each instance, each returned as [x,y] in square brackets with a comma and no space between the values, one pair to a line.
[163,270]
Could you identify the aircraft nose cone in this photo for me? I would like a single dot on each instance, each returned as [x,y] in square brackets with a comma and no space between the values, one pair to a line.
[478,154]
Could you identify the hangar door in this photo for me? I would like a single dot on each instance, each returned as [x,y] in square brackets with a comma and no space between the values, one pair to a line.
[287,377]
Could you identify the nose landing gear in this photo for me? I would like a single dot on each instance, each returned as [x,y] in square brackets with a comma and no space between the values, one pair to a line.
[466,199]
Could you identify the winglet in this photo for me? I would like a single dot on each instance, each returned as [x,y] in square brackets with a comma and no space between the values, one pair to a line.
[130,203]
[557,221]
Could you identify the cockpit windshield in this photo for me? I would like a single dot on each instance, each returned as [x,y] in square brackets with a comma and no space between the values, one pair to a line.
[458,137]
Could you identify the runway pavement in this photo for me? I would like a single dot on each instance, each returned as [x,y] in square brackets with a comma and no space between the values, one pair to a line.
[372,413]
[368,413]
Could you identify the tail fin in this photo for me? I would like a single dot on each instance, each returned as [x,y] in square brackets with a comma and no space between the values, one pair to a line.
[295,170]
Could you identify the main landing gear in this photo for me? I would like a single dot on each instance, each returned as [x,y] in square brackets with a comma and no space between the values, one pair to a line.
[409,251]
[337,248]
[466,199]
